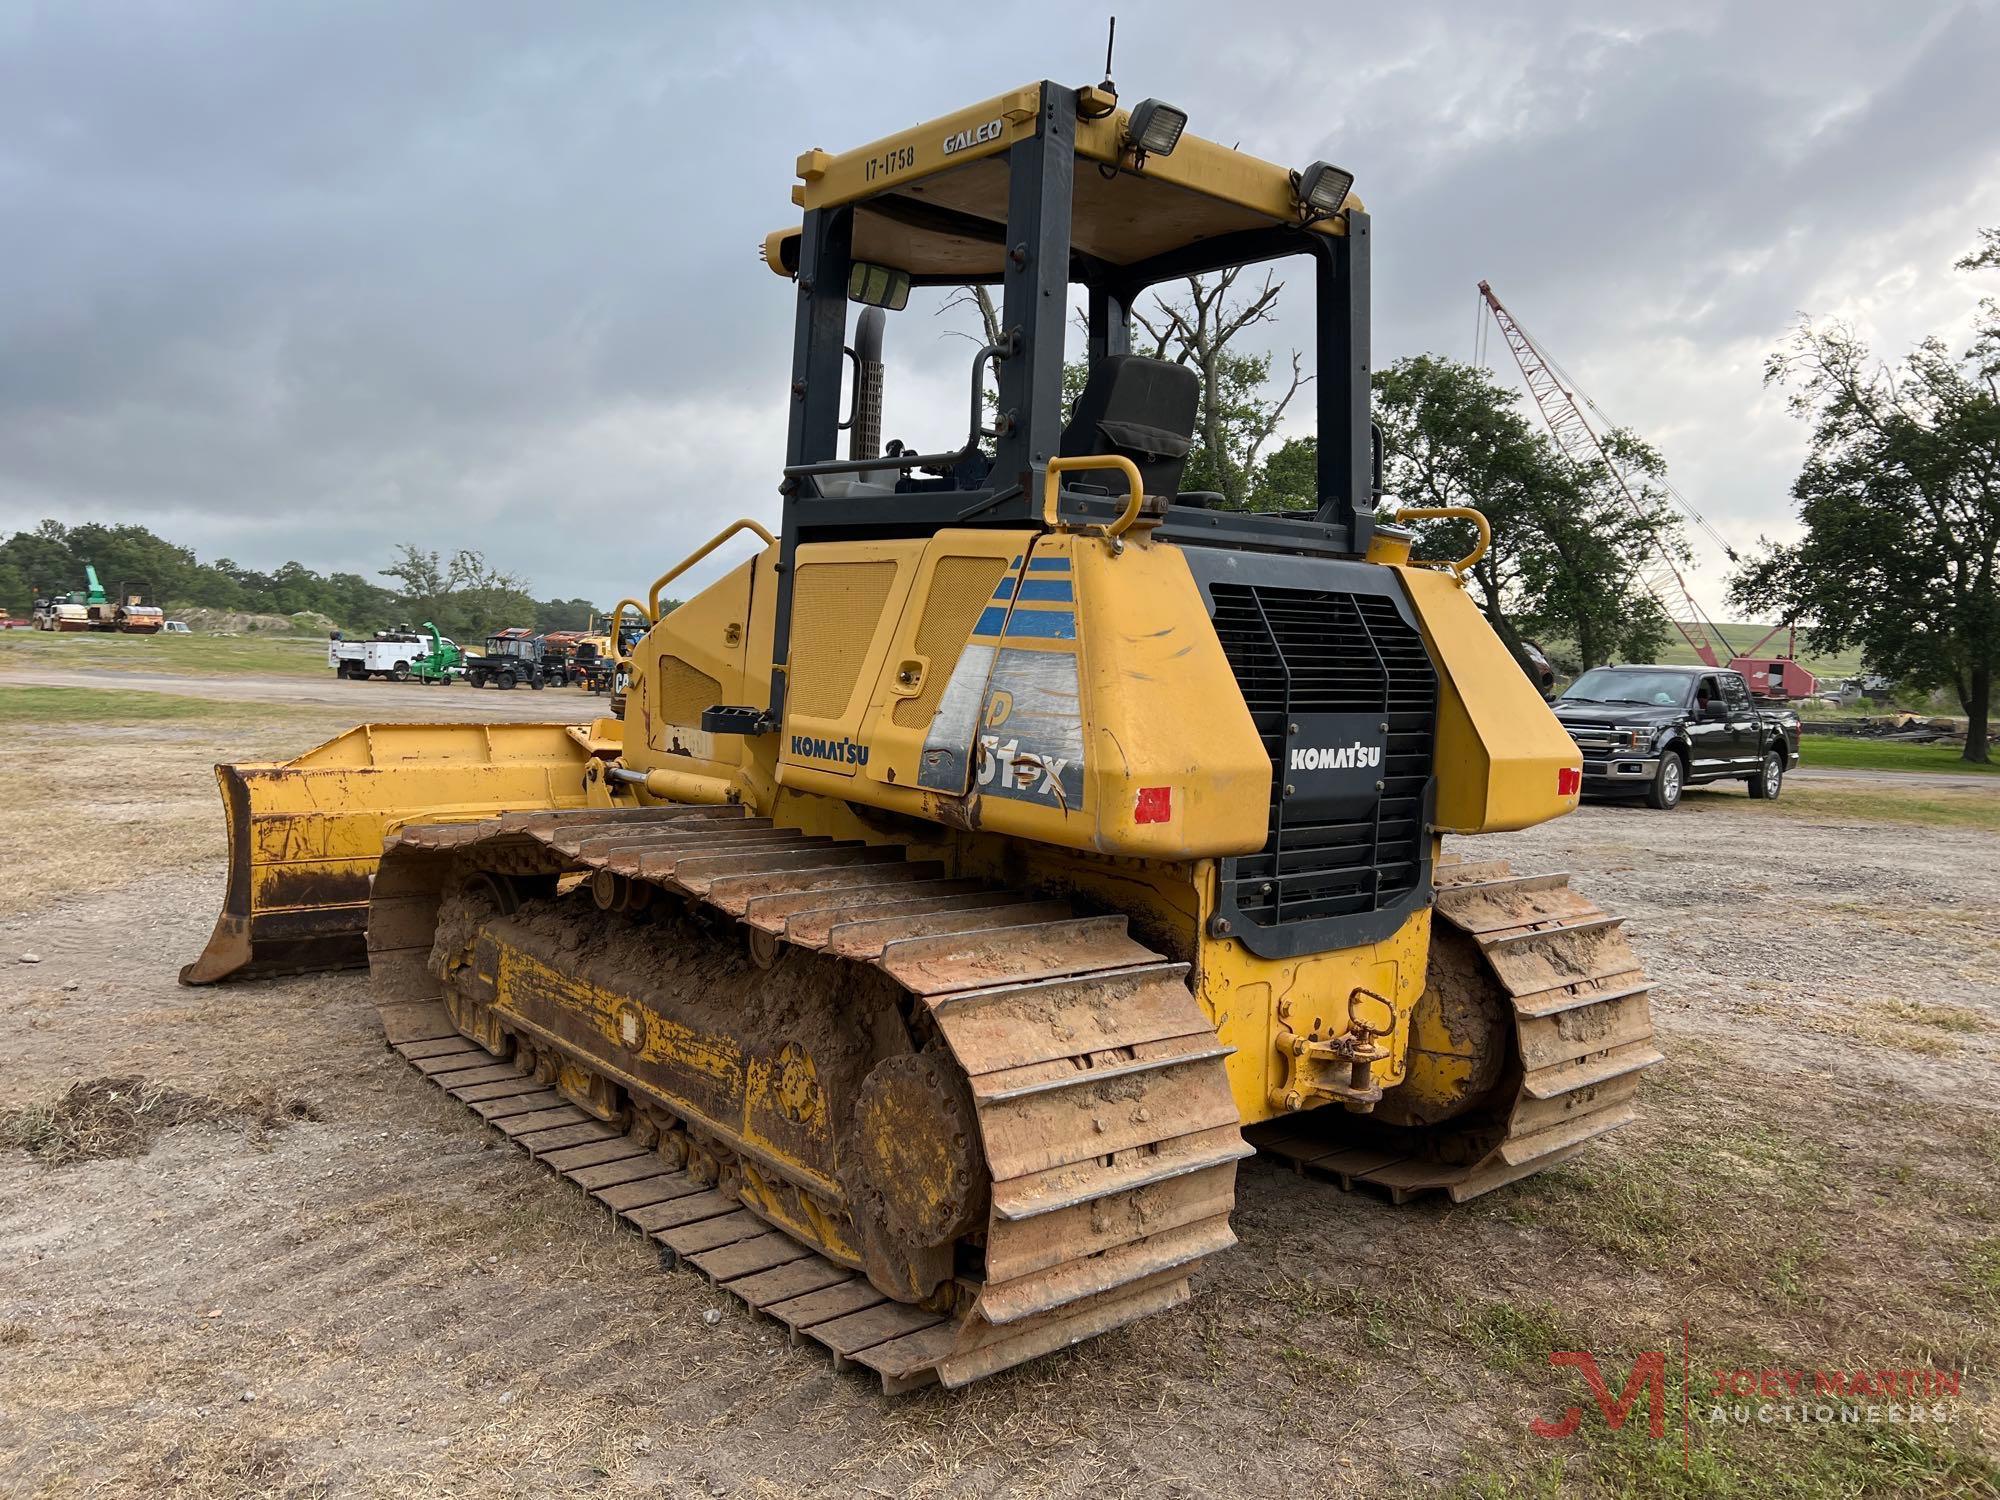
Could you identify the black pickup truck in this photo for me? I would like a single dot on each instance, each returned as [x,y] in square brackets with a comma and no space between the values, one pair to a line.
[1651,731]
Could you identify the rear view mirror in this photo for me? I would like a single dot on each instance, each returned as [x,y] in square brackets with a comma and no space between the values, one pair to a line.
[878,286]
[1716,710]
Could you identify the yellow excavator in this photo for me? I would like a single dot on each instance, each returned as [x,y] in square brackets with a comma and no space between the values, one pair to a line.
[981,870]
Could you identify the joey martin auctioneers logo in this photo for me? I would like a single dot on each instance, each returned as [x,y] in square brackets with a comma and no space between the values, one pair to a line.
[1711,1395]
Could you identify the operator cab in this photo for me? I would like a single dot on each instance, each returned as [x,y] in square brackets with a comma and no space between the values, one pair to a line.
[1044,193]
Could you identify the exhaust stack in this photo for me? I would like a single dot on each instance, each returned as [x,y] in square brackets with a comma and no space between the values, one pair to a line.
[864,437]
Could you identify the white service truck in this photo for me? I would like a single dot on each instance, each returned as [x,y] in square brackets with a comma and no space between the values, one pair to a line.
[388,653]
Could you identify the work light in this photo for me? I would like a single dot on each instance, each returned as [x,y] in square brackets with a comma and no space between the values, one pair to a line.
[1323,187]
[1155,128]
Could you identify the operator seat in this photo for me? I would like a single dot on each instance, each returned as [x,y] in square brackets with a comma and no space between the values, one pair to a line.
[1142,409]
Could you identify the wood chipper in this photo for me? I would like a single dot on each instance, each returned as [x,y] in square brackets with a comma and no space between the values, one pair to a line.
[975,864]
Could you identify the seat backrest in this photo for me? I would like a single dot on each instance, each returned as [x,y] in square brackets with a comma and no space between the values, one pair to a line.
[1143,409]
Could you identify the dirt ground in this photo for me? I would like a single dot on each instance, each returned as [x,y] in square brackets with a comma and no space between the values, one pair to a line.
[366,1295]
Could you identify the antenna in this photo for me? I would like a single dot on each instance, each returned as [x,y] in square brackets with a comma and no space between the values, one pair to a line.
[1110,41]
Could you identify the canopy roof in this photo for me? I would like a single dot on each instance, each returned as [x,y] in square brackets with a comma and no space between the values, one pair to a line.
[933,200]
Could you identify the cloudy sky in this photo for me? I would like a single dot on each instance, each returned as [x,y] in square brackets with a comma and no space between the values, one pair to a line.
[305,281]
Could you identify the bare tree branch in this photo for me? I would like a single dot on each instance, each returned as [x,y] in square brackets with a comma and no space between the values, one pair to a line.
[1260,432]
[1195,328]
[980,298]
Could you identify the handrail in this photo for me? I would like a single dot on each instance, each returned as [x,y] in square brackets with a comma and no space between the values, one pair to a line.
[653,598]
[935,462]
[618,656]
[1051,487]
[1452,513]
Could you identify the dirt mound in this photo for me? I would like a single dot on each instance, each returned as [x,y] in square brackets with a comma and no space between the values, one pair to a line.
[122,1116]
[240,622]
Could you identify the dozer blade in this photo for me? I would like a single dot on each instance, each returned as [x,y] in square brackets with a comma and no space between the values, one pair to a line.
[305,835]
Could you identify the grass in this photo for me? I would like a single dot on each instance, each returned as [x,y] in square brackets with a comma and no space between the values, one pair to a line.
[30,706]
[1921,807]
[1831,752]
[1515,1337]
[1752,1229]
[1758,1462]
[108,1117]
[1723,1202]
[1744,635]
[1943,1017]
[1982,1272]
[100,786]
[1907,1024]
[177,655]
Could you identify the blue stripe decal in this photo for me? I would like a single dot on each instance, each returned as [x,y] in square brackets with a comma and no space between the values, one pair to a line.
[1014,566]
[990,622]
[1046,564]
[1047,588]
[1042,625]
[1005,591]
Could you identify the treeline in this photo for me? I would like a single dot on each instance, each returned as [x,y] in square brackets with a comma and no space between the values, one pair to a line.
[1899,498]
[463,594]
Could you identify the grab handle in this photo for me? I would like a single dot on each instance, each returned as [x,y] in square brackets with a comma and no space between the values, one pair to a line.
[618,657]
[1465,564]
[1135,487]
[653,598]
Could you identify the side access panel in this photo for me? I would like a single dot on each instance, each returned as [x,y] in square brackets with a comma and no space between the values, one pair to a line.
[924,719]
[694,659]
[848,600]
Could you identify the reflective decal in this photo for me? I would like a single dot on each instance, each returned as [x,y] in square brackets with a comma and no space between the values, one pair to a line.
[1031,744]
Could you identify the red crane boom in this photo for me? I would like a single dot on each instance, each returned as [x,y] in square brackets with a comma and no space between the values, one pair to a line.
[1577,440]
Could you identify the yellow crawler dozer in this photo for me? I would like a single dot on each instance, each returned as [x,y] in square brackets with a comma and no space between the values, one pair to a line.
[979,866]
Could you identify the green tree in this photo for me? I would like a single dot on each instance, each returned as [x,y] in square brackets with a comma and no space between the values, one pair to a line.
[1900,499]
[1288,478]
[467,597]
[425,580]
[1567,549]
[567,614]
[348,597]
[131,559]
[17,595]
[1986,331]
[51,559]
[44,558]
[1586,583]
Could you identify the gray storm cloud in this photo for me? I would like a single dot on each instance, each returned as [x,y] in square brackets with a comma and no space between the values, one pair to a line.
[305,281]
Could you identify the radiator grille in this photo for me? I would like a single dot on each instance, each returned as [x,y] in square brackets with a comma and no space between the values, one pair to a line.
[1299,651]
[1597,739]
